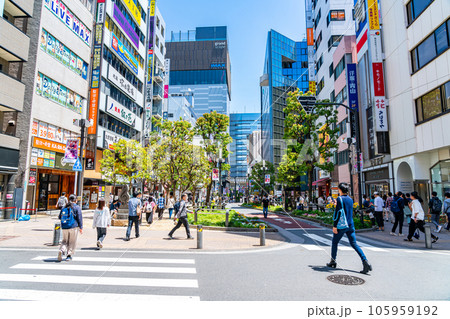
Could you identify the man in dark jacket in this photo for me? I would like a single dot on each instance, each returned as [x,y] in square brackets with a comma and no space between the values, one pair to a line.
[70,235]
[435,209]
[397,206]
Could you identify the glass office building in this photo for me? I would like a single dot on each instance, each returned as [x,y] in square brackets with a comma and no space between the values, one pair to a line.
[200,62]
[241,125]
[285,69]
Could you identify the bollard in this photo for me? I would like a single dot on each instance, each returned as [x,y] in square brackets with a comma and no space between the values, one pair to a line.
[57,234]
[427,236]
[200,237]
[227,214]
[262,235]
[195,215]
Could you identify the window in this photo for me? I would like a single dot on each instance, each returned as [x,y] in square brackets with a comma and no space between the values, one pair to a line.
[343,157]
[415,7]
[341,96]
[320,85]
[335,15]
[331,69]
[340,67]
[333,41]
[318,40]
[316,21]
[433,103]
[342,127]
[332,97]
[435,44]
[319,63]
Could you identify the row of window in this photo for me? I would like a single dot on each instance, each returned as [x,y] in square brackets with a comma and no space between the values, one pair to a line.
[341,96]
[318,41]
[343,157]
[342,127]
[116,94]
[198,77]
[111,26]
[415,7]
[130,20]
[120,67]
[340,67]
[433,103]
[335,15]
[63,54]
[435,44]
[116,126]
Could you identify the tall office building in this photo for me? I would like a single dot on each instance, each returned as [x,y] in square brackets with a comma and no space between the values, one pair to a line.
[200,61]
[285,69]
[14,106]
[241,126]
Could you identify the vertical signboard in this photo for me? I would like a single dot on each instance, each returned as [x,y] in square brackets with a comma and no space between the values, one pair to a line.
[374,21]
[94,94]
[150,62]
[352,86]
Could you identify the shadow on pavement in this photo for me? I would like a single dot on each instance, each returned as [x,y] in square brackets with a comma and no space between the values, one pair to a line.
[330,270]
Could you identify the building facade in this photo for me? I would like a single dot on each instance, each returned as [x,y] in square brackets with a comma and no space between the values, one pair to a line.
[200,61]
[241,126]
[416,45]
[285,69]
[181,106]
[14,110]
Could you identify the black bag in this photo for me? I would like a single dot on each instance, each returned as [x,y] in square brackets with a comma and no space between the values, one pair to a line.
[436,206]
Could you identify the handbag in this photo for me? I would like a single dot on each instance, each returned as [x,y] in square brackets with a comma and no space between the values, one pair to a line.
[342,223]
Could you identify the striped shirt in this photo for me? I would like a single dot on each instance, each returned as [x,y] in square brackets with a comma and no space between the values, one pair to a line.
[161,202]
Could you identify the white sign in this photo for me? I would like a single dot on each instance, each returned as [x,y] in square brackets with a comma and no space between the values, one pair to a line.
[375,45]
[109,139]
[122,83]
[101,13]
[381,124]
[120,112]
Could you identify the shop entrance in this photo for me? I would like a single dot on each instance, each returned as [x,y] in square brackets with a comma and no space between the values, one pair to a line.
[48,191]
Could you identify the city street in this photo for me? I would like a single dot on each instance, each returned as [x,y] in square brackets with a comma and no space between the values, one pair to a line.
[294,270]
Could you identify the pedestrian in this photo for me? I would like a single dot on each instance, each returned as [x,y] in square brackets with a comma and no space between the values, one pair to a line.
[397,206]
[407,209]
[388,212]
[435,209]
[321,203]
[343,224]
[417,218]
[265,203]
[446,209]
[134,214]
[102,220]
[62,201]
[114,206]
[71,223]
[170,204]
[161,206]
[368,205]
[181,214]
[379,205]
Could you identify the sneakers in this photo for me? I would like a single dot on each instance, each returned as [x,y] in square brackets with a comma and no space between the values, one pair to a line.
[393,234]
[435,239]
[190,237]
[407,239]
[400,235]
[170,236]
[439,229]
[60,255]
[99,244]
[127,239]
[69,258]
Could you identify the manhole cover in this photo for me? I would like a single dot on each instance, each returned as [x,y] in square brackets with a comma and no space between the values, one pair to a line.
[346,280]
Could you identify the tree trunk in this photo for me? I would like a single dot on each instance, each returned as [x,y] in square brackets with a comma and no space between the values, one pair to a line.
[310,181]
[208,193]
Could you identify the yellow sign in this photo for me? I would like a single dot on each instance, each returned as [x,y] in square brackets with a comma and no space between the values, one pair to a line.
[135,11]
[374,20]
[312,87]
[152,8]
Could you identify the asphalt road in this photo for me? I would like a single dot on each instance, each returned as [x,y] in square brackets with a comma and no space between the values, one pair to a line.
[294,271]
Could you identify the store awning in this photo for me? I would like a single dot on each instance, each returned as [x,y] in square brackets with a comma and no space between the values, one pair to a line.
[321,182]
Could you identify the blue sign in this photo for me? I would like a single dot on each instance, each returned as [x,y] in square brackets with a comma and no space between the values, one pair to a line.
[165,116]
[77,166]
[352,85]
[218,65]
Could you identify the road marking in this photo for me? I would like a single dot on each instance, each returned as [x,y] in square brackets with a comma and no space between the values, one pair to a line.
[110,281]
[361,244]
[124,260]
[46,295]
[312,247]
[167,270]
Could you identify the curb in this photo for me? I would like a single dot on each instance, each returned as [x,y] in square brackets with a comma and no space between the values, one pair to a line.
[234,229]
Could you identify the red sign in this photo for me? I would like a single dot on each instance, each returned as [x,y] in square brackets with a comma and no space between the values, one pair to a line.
[166,91]
[378,79]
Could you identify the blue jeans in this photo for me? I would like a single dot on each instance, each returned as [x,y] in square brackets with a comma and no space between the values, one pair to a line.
[352,240]
[265,211]
[170,212]
[435,219]
[133,220]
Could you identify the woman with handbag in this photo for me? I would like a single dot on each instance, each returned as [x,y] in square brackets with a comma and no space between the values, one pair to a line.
[343,224]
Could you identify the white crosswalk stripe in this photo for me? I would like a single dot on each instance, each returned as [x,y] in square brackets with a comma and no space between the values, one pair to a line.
[322,243]
[163,279]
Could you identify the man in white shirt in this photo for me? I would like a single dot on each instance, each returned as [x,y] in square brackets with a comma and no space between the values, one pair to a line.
[379,203]
[417,218]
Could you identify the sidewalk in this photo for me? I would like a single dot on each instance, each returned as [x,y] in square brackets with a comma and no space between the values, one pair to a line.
[442,244]
[31,234]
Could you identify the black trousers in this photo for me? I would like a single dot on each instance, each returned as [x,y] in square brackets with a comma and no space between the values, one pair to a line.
[181,221]
[133,220]
[399,218]
[160,212]
[149,217]
[419,225]
[379,218]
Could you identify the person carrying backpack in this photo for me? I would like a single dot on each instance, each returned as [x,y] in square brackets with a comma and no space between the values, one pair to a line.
[446,209]
[62,201]
[435,208]
[396,206]
[181,213]
[71,223]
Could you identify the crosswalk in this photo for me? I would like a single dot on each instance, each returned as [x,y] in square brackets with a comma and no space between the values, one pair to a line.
[323,241]
[93,278]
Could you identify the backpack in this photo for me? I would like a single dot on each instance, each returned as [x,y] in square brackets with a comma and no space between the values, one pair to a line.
[61,202]
[67,218]
[176,207]
[394,206]
[437,205]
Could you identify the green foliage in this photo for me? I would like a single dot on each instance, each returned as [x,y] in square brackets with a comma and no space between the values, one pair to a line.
[218,220]
[258,178]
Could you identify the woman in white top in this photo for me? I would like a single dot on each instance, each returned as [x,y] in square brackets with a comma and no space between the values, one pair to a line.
[102,220]
[417,217]
[170,204]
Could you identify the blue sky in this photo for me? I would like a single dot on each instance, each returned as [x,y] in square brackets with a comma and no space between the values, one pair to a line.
[248,22]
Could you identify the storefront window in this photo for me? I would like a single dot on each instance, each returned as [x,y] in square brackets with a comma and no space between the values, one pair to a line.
[440,178]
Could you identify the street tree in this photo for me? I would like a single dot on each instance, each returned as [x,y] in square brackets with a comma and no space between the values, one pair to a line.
[213,129]
[258,177]
[311,135]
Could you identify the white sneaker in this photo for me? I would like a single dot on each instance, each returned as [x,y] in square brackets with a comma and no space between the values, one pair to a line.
[439,229]
[393,234]
[99,244]
[60,255]
[400,235]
